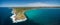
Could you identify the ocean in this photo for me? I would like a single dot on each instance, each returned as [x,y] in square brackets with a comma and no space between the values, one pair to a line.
[43,16]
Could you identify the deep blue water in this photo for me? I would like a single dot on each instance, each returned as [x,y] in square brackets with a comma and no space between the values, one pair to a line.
[35,17]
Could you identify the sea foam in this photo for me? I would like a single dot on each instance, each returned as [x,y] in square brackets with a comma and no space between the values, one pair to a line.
[16,21]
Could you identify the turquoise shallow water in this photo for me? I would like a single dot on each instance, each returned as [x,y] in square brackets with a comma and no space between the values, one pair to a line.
[44,16]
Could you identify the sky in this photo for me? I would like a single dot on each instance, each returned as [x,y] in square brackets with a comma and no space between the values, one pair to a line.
[20,3]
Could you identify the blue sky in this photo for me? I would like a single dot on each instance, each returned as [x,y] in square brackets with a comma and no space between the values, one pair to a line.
[26,2]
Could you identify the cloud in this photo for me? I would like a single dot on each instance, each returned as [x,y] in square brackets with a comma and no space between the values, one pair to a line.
[35,4]
[38,4]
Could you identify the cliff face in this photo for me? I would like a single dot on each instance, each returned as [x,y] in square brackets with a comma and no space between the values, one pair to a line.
[19,14]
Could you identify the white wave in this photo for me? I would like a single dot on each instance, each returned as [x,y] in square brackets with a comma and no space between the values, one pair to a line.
[16,21]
